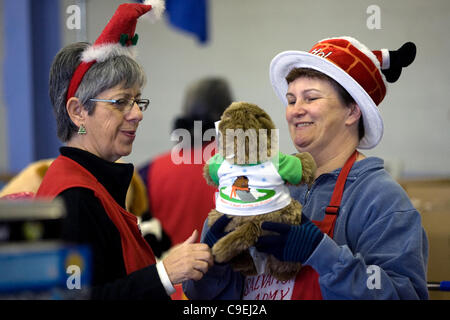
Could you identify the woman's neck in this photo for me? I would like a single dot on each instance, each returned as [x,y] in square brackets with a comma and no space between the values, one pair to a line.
[330,160]
[78,142]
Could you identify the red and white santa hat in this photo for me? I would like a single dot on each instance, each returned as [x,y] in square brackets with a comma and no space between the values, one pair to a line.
[117,38]
[358,69]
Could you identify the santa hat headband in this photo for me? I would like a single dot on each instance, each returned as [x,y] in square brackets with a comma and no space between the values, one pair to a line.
[117,39]
[362,72]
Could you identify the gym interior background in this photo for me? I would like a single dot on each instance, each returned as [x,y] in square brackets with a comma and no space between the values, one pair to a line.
[242,38]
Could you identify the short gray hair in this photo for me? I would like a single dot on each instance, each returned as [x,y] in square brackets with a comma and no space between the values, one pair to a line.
[100,77]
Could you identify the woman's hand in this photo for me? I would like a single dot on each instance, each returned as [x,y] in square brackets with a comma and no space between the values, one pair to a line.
[217,231]
[293,243]
[188,260]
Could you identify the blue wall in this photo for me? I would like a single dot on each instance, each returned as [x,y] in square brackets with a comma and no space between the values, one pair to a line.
[31,40]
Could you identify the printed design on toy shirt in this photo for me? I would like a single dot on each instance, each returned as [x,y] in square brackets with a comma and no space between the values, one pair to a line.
[240,192]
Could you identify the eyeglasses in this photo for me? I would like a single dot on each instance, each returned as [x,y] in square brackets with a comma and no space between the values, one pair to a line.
[125,105]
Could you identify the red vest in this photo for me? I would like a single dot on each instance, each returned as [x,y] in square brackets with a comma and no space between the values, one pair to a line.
[64,173]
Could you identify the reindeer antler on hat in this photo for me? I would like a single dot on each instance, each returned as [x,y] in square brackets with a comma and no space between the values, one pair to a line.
[117,38]
[362,72]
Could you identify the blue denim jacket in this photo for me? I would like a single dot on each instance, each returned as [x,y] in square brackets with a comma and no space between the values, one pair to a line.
[379,249]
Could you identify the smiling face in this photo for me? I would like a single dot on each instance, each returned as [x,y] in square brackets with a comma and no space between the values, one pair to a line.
[318,120]
[111,132]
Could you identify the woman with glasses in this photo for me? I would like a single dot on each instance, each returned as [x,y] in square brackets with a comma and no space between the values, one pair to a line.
[96,95]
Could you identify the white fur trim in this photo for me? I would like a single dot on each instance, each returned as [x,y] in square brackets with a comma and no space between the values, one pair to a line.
[386,59]
[158,7]
[105,51]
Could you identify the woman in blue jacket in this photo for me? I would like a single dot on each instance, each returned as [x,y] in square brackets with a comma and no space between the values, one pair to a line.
[360,237]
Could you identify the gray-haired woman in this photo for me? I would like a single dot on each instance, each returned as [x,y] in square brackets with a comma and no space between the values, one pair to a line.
[96,95]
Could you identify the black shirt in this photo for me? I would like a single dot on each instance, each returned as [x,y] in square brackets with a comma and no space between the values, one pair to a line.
[87,222]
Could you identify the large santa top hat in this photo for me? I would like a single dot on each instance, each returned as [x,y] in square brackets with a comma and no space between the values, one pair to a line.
[362,72]
[117,38]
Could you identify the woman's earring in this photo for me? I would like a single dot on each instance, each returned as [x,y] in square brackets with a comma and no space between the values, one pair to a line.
[81,130]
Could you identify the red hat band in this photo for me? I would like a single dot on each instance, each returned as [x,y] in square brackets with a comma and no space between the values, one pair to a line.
[77,76]
[359,62]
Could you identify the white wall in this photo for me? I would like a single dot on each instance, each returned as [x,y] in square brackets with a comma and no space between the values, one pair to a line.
[246,34]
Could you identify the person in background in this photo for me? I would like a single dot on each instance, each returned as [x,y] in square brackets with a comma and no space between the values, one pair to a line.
[359,237]
[96,93]
[176,188]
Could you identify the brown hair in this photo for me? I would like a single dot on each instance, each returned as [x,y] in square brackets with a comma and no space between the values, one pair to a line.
[343,95]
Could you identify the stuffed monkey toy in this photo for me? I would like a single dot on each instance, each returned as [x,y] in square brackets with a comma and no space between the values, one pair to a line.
[252,177]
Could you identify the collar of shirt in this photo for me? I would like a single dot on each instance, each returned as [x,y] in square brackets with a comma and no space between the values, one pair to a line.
[115,177]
